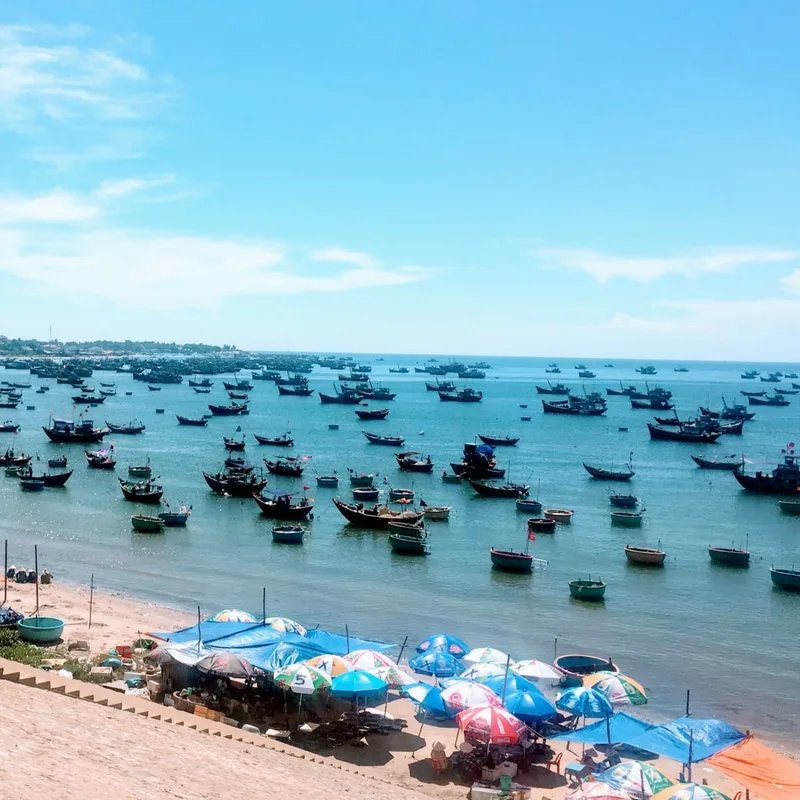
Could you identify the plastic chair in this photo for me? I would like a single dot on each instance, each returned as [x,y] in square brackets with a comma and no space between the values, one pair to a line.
[555,762]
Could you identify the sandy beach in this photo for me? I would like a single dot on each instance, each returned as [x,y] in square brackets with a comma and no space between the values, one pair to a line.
[153,751]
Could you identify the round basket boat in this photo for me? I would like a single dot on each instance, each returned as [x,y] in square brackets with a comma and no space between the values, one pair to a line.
[40,629]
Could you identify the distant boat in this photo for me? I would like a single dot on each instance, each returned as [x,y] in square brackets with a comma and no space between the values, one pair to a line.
[647,556]
[499,441]
[705,463]
[609,475]
[373,413]
[327,481]
[557,389]
[586,373]
[234,409]
[509,490]
[388,441]
[685,433]
[409,463]
[284,440]
[623,500]
[627,518]
[775,400]
[680,369]
[200,421]
[729,556]
[464,396]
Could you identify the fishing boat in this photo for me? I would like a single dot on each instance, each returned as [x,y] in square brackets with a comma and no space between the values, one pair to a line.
[399,370]
[8,427]
[101,459]
[441,386]
[652,404]
[242,386]
[438,513]
[287,467]
[284,440]
[647,556]
[235,484]
[647,370]
[295,391]
[685,433]
[235,445]
[775,400]
[609,475]
[750,375]
[508,490]
[279,505]
[754,394]
[238,395]
[467,395]
[553,370]
[104,392]
[511,561]
[729,556]
[198,390]
[64,431]
[371,392]
[233,464]
[88,399]
[408,462]
[13,459]
[410,541]
[374,517]
[784,479]
[629,519]
[10,404]
[575,407]
[333,426]
[288,534]
[132,428]
[402,495]
[57,463]
[623,500]
[388,441]
[361,480]
[153,388]
[327,481]
[373,413]
[680,369]
[705,463]
[563,516]
[450,477]
[48,480]
[791,507]
[788,579]
[175,519]
[577,666]
[528,506]
[145,524]
[234,409]
[587,589]
[499,441]
[199,422]
[31,485]
[773,377]
[586,373]
[787,391]
[551,388]
[365,494]
[541,525]
[343,396]
[142,491]
[472,374]
[205,383]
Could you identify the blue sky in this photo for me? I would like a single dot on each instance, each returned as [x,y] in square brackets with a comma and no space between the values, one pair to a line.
[534,178]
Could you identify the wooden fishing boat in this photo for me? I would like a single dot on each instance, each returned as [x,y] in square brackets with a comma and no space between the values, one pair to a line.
[343,396]
[31,485]
[529,506]
[623,391]
[235,484]
[451,477]
[413,544]
[628,519]
[141,492]
[132,428]
[238,395]
[586,373]
[362,479]
[199,422]
[499,441]
[406,528]
[100,459]
[440,386]
[83,399]
[607,474]
[784,479]
[365,494]
[388,441]
[198,390]
[279,505]
[511,561]
[375,393]
[563,516]
[64,431]
[153,388]
[539,525]
[685,433]
[327,481]
[773,377]
[284,440]
[104,392]
[288,467]
[233,464]
[205,383]
[375,516]
[144,524]
[623,500]
[8,427]
[775,400]
[788,579]
[236,445]
[375,413]
[652,404]
[295,391]
[729,556]
[706,463]
[787,391]
[13,459]
[791,507]
[577,666]
[244,386]
[574,408]
[399,370]
[408,462]
[49,480]
[437,512]
[509,490]
[401,494]
[464,396]
[57,463]
[288,534]
[176,519]
[333,426]
[647,556]
[472,471]
[754,394]
[587,589]
[234,409]
[10,404]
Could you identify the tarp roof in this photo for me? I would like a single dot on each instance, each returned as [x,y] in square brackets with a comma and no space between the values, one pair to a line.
[764,772]
[622,727]
[687,739]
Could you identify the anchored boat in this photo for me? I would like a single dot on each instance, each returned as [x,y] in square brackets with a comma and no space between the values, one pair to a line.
[587,589]
[647,556]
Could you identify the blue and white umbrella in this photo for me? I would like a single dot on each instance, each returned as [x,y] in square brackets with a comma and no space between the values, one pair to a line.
[436,663]
[583,701]
[444,642]
[358,683]
[502,684]
[530,706]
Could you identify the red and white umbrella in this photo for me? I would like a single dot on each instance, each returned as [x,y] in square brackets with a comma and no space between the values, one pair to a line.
[490,725]
[368,659]
[467,694]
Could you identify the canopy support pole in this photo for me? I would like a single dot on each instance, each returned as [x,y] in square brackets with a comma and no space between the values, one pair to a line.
[688,695]
[691,746]
[91,599]
[405,642]
[5,575]
[347,634]
[199,636]
[36,567]
[263,605]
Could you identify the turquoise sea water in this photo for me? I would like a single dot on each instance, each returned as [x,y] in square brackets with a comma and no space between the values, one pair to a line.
[726,634]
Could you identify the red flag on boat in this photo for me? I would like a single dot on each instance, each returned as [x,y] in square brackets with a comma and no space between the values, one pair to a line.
[531,536]
[306,488]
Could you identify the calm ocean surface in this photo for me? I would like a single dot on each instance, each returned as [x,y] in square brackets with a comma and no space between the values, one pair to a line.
[726,634]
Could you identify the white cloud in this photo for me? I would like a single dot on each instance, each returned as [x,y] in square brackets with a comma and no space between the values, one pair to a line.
[120,188]
[604,267]
[54,207]
[335,254]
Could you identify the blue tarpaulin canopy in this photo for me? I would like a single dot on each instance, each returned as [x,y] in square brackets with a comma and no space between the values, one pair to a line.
[688,740]
[621,728]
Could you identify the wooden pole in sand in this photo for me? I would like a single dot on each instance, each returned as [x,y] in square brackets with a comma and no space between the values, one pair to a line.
[347,634]
[91,599]
[688,695]
[5,574]
[199,637]
[36,567]
[263,605]
[555,648]
[405,642]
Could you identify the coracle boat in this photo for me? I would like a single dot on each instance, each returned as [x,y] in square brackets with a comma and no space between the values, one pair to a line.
[705,463]
[627,518]
[563,516]
[142,491]
[511,561]
[235,484]
[529,506]
[101,459]
[278,441]
[646,556]
[295,391]
[327,481]
[685,433]
[176,519]
[464,396]
[278,505]
[405,545]
[288,534]
[784,479]
[509,490]
[388,441]
[607,474]
[791,507]
[587,589]
[729,556]
[541,525]
[362,479]
[409,463]
[31,485]
[437,512]
[59,479]
[234,409]
[57,463]
[374,517]
[132,428]
[451,477]
[788,579]
[199,422]
[64,431]
[623,500]
[374,413]
[577,666]
[401,494]
[144,524]
[288,467]
[499,441]
[365,494]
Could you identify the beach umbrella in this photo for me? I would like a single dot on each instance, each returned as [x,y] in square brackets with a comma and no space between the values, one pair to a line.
[302,679]
[506,684]
[332,666]
[417,691]
[535,670]
[636,778]
[480,672]
[690,791]
[357,683]
[224,663]
[583,701]
[619,689]
[284,625]
[466,694]
[485,655]
[232,615]
[598,791]
[433,704]
[444,642]
[368,659]
[436,663]
[530,706]
[490,725]
[394,676]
